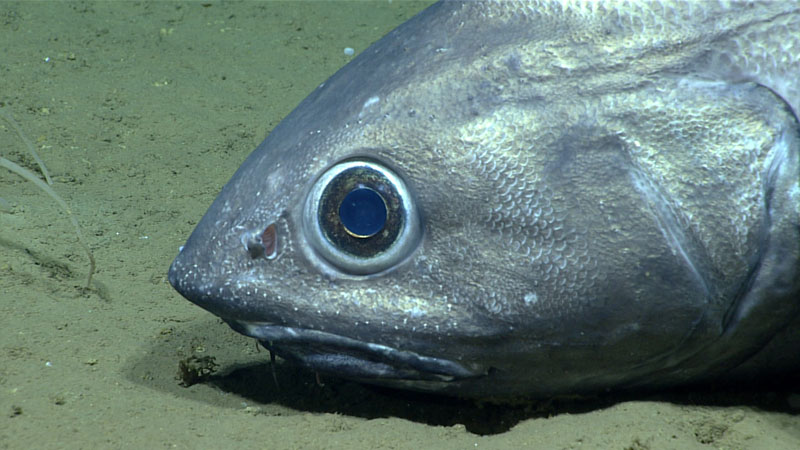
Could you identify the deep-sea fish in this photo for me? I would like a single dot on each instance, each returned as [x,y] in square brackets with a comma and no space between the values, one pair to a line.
[543,198]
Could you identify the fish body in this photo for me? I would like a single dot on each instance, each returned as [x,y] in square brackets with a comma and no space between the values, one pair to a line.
[543,198]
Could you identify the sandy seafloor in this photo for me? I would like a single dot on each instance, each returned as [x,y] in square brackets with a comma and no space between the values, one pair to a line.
[142,111]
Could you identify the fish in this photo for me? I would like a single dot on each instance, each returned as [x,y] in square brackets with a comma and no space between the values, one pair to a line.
[531,198]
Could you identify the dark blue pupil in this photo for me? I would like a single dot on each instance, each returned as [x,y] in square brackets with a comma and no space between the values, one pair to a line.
[362,212]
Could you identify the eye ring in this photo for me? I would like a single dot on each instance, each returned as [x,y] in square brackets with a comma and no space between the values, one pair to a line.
[360,217]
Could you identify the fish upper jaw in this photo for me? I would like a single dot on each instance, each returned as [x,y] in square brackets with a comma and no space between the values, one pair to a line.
[238,301]
[212,286]
[350,358]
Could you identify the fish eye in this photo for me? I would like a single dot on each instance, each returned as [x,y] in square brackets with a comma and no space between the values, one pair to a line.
[361,218]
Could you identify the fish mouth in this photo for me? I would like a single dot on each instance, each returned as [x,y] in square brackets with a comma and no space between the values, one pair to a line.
[350,358]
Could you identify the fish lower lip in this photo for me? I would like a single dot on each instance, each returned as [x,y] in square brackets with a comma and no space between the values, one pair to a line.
[349,358]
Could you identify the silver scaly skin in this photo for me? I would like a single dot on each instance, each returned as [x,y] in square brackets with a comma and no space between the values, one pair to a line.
[579,196]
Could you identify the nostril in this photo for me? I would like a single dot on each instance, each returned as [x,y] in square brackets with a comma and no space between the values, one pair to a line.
[269,239]
[262,244]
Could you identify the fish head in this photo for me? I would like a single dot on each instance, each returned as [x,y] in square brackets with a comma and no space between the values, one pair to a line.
[480,216]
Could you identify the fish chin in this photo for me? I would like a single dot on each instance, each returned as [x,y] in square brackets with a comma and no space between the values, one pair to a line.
[349,358]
